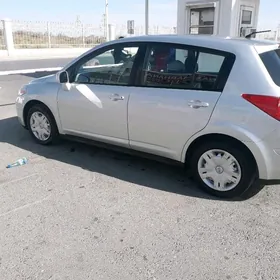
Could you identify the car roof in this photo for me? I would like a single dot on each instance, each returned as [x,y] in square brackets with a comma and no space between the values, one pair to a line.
[211,41]
[233,45]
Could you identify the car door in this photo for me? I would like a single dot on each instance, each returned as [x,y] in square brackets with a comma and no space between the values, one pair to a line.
[94,105]
[178,89]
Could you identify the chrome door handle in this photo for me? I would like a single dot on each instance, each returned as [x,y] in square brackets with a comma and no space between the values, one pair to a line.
[116,97]
[195,104]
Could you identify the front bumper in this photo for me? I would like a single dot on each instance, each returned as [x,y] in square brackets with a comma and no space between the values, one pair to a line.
[20,110]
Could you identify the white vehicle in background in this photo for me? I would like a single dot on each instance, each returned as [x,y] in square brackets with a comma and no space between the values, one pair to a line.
[207,102]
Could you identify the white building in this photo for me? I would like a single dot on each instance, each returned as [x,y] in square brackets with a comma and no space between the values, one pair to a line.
[218,17]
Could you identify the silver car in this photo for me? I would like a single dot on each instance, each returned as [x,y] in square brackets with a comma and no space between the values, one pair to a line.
[209,103]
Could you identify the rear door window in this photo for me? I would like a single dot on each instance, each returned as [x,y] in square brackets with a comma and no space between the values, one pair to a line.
[186,67]
[271,60]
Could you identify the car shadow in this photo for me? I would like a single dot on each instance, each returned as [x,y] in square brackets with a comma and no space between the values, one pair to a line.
[125,167]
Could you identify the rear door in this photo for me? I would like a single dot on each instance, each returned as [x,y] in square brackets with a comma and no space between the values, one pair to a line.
[178,89]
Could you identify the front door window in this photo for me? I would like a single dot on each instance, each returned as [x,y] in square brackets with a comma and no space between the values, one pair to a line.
[111,67]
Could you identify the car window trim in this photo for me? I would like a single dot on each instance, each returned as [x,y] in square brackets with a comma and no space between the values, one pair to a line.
[227,65]
[72,70]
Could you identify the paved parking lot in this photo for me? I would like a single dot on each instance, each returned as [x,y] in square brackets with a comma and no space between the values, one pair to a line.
[80,212]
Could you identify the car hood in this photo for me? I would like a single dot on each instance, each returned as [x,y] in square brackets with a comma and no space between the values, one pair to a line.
[45,79]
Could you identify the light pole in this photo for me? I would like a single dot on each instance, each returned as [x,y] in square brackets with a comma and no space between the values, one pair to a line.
[147,17]
[106,20]
[277,33]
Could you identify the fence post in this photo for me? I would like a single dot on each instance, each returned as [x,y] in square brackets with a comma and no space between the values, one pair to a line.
[8,35]
[112,32]
[277,33]
[83,35]
[49,35]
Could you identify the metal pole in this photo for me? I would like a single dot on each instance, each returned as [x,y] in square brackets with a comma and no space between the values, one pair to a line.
[107,20]
[277,33]
[49,34]
[8,35]
[147,17]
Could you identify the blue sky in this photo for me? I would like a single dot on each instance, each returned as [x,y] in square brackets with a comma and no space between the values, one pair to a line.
[162,12]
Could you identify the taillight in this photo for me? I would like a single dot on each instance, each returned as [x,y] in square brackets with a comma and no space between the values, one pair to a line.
[268,104]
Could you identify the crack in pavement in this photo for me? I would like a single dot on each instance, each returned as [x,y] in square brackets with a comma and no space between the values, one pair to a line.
[25,206]
[18,179]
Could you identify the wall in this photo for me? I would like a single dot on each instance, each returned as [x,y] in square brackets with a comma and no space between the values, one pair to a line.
[42,53]
[256,5]
[236,8]
[228,15]
[181,14]
[223,13]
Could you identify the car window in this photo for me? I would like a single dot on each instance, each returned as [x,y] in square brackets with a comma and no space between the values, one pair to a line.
[182,68]
[271,60]
[209,63]
[112,67]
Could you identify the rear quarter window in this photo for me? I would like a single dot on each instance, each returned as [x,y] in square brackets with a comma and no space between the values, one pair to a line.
[271,60]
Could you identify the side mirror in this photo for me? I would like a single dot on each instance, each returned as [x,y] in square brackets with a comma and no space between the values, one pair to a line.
[63,77]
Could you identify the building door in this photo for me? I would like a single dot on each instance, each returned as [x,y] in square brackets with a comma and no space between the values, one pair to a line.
[246,20]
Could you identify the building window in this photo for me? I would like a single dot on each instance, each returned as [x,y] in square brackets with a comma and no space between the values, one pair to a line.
[202,21]
[246,17]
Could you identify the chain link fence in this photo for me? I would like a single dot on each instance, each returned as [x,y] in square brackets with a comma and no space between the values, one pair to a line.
[30,34]
[273,35]
[140,30]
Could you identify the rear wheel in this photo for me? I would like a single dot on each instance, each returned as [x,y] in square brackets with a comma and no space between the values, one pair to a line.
[223,170]
[41,124]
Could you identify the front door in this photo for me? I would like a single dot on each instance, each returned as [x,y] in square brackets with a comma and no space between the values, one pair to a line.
[95,106]
[180,88]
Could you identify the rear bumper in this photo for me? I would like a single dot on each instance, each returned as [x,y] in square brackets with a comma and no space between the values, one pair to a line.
[267,156]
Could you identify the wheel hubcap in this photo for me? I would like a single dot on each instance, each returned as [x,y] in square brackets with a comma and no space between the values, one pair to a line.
[219,170]
[40,126]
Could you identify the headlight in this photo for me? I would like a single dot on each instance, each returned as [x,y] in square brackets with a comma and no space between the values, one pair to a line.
[23,90]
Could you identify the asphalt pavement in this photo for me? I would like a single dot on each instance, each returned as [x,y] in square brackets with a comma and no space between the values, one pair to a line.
[79,212]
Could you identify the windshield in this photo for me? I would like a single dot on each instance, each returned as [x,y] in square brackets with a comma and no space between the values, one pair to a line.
[271,60]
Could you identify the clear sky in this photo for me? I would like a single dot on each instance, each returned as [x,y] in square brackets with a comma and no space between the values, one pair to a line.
[162,12]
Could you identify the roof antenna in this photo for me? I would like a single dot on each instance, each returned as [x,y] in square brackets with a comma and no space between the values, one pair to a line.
[249,36]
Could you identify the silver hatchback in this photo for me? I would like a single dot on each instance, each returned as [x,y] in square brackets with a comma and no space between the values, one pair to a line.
[210,103]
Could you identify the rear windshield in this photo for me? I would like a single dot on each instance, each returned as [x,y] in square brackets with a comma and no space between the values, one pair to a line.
[271,61]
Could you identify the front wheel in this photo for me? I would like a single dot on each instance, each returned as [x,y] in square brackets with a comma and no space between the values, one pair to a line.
[41,125]
[223,170]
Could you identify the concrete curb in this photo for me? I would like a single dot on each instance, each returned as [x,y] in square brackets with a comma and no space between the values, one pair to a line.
[27,54]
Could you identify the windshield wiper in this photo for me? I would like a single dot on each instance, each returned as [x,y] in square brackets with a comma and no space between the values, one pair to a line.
[249,36]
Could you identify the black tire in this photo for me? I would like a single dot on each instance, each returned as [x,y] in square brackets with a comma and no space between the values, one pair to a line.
[244,159]
[42,109]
